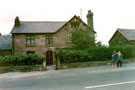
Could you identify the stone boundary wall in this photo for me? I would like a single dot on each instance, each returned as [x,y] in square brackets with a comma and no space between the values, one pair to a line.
[22,69]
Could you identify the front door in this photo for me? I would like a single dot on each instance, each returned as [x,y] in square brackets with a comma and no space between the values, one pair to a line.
[49,57]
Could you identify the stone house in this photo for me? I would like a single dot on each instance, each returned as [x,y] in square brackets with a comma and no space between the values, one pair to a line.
[5,45]
[43,37]
[123,37]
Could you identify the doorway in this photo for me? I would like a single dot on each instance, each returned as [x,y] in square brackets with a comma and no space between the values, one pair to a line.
[49,57]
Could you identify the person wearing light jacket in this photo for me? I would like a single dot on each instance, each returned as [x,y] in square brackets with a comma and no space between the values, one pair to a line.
[119,59]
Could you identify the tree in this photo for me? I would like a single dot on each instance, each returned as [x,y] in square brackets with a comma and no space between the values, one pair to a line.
[99,44]
[81,39]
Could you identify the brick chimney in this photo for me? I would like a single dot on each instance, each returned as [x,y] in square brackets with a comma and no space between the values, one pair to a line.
[90,19]
[79,17]
[17,22]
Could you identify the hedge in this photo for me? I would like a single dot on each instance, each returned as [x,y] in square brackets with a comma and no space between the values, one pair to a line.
[30,59]
[93,54]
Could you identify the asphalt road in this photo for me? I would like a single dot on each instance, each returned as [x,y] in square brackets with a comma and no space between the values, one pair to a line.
[90,78]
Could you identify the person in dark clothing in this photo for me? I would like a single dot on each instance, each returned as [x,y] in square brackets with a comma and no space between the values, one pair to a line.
[114,58]
[119,59]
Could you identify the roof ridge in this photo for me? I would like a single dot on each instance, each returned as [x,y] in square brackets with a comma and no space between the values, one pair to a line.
[45,21]
[125,29]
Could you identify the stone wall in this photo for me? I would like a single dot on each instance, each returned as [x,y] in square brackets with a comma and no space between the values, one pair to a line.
[20,46]
[118,39]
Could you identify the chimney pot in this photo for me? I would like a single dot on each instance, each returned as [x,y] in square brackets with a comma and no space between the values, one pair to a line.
[89,11]
[17,22]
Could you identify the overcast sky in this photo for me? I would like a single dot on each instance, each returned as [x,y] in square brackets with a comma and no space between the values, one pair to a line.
[108,14]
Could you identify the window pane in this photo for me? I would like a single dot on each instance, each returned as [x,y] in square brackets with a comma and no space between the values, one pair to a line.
[51,41]
[71,25]
[46,37]
[51,36]
[32,42]
[46,41]
[32,37]
[28,37]
[28,42]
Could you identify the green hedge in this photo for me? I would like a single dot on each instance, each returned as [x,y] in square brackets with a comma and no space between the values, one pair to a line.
[93,54]
[30,59]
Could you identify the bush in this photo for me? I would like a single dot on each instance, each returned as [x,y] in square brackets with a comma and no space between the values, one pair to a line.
[93,54]
[30,59]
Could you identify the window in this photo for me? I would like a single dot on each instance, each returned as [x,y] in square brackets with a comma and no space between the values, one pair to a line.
[74,25]
[49,39]
[30,40]
[30,52]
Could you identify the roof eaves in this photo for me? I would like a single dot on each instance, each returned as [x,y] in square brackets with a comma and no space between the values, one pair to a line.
[113,35]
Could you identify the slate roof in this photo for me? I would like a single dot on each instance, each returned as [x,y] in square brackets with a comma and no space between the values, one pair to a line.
[129,34]
[37,27]
[5,42]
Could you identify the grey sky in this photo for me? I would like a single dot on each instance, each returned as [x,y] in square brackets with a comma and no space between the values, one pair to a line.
[108,14]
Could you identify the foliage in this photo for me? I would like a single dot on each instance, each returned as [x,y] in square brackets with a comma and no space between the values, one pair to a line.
[93,54]
[30,59]
[99,44]
[81,39]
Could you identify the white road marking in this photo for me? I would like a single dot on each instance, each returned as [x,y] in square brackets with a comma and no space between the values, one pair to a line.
[105,85]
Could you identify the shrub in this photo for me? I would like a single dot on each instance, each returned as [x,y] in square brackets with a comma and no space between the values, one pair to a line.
[93,54]
[30,59]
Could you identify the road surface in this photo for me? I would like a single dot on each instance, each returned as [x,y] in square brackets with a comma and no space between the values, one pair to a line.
[90,78]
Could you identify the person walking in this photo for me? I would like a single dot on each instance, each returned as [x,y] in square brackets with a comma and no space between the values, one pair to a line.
[114,58]
[119,59]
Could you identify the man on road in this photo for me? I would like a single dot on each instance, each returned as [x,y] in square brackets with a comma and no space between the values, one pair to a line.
[119,59]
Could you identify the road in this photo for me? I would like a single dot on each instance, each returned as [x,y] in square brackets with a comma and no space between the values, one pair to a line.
[90,78]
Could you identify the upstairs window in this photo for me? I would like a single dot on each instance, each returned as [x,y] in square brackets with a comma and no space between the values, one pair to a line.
[75,25]
[30,40]
[49,39]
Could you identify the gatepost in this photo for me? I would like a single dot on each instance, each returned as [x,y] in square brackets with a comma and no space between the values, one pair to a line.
[44,63]
[57,63]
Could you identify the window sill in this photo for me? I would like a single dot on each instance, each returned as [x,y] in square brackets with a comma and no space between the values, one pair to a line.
[49,45]
[30,45]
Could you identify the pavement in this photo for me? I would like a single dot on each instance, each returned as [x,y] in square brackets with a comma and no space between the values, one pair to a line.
[89,78]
